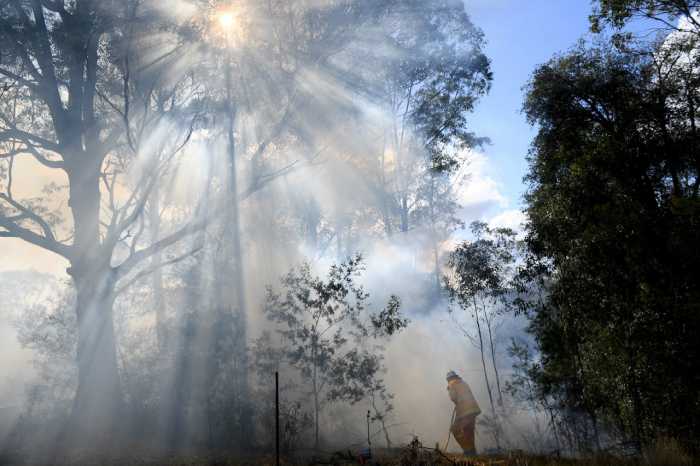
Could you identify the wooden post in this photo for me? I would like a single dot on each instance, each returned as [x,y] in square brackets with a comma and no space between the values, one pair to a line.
[277,417]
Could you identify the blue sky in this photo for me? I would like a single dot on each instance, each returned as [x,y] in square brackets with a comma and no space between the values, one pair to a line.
[521,34]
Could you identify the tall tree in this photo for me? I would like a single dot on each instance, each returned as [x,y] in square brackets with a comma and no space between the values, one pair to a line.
[614,204]
[438,75]
[69,84]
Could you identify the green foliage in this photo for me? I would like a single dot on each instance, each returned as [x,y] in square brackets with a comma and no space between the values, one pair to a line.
[522,384]
[327,331]
[440,74]
[389,320]
[614,236]
[618,12]
[481,268]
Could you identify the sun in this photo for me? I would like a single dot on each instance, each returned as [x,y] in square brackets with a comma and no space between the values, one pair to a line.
[227,27]
[226,19]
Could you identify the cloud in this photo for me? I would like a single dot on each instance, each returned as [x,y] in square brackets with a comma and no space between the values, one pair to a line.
[479,192]
[513,219]
[482,198]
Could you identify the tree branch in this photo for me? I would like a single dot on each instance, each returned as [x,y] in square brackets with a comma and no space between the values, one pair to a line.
[27,213]
[263,180]
[138,256]
[25,137]
[140,204]
[42,51]
[31,150]
[16,231]
[150,270]
[25,82]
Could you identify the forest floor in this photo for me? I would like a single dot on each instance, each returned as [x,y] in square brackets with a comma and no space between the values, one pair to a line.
[406,457]
[438,460]
[411,455]
[448,460]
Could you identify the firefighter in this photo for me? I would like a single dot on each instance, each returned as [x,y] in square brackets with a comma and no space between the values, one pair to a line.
[465,413]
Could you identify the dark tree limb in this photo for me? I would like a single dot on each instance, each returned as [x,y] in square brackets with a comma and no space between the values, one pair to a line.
[15,231]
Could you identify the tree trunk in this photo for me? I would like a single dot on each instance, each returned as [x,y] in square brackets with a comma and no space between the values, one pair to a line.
[436,265]
[235,218]
[404,214]
[386,208]
[433,234]
[553,427]
[380,416]
[317,405]
[157,283]
[98,404]
[316,416]
[483,358]
[312,218]
[339,238]
[493,358]
[232,299]
[486,376]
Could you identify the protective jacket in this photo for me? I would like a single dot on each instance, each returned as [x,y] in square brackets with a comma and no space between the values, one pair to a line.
[461,395]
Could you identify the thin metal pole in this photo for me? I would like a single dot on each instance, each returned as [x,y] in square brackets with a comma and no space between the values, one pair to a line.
[277,417]
[369,440]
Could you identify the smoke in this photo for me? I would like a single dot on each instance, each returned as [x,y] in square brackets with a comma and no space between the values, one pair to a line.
[309,140]
[433,344]
[417,359]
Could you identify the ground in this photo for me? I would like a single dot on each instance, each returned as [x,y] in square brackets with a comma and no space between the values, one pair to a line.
[414,454]
[406,457]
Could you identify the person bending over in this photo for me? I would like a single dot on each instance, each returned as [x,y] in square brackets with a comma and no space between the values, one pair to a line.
[466,410]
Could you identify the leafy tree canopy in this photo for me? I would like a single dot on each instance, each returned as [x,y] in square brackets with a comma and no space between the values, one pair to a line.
[614,208]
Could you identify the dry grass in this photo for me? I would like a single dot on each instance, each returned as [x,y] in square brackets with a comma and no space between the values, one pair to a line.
[426,460]
[664,452]
[667,452]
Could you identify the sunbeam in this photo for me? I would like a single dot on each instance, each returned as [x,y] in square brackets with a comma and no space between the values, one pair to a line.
[262,231]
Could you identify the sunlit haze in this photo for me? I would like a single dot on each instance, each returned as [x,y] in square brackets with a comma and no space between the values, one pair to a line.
[349,232]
